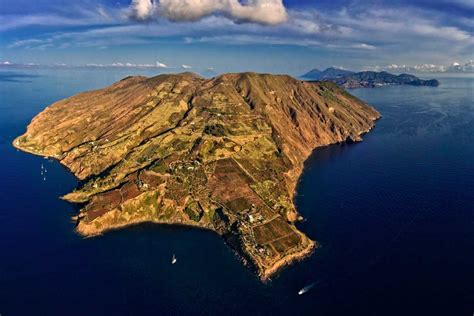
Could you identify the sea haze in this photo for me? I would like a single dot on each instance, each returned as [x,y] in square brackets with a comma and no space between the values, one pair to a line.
[394,216]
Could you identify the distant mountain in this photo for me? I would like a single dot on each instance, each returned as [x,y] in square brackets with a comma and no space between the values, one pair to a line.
[312,74]
[368,79]
[329,73]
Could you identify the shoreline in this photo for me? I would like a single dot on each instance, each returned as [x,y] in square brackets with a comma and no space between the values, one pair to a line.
[313,245]
[288,260]
[302,168]
[137,223]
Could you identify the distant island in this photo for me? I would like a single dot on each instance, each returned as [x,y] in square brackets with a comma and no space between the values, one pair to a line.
[366,79]
[223,154]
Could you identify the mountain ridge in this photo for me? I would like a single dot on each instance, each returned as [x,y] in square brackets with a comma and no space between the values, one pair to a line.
[328,73]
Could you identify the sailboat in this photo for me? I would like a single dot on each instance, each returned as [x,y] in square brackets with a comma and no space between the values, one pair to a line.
[173,260]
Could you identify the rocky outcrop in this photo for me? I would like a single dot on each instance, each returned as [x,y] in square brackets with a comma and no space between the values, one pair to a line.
[223,154]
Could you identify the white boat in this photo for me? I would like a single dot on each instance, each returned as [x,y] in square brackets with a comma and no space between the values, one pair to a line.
[305,289]
[173,260]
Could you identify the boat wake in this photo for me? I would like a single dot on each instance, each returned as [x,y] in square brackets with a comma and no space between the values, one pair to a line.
[306,289]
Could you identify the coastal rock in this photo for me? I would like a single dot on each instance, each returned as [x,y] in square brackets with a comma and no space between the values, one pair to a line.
[223,154]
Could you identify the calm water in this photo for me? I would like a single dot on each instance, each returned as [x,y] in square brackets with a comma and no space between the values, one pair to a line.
[394,215]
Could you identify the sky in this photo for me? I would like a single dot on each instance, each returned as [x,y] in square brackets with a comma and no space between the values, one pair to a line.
[289,36]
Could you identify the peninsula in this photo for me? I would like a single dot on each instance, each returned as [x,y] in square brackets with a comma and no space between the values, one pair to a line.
[223,154]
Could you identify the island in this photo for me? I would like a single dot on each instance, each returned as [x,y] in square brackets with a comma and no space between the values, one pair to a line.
[223,154]
[366,79]
[328,73]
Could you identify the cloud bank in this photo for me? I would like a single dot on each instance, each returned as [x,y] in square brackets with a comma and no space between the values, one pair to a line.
[267,12]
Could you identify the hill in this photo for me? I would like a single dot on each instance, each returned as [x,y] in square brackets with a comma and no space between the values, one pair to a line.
[366,79]
[370,79]
[329,73]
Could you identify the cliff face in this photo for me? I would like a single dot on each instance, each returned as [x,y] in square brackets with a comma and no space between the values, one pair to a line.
[223,154]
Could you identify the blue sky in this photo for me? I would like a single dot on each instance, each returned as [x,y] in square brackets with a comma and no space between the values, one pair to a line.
[228,35]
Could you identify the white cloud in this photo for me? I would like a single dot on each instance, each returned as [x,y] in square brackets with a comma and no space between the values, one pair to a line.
[363,34]
[141,9]
[161,65]
[269,12]
[363,46]
[397,25]
[83,16]
[310,22]
[245,39]
[26,43]
[132,65]
[93,65]
[447,32]
[125,65]
[422,68]
[186,66]
[464,3]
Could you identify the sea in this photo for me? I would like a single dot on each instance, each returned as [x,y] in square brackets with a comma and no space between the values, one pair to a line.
[393,215]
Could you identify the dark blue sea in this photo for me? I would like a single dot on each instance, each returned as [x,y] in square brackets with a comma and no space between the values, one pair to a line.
[394,215]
